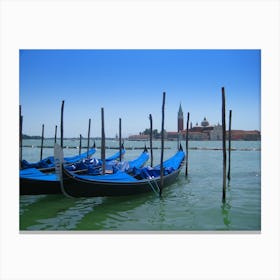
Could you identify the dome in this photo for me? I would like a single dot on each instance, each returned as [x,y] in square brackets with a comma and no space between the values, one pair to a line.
[204,122]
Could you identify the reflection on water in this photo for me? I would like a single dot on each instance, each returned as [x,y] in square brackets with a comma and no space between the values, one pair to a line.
[226,214]
[226,207]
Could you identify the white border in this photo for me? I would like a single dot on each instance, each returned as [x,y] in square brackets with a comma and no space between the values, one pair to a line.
[140,24]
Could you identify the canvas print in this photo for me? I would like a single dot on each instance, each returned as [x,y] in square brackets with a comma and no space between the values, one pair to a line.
[148,140]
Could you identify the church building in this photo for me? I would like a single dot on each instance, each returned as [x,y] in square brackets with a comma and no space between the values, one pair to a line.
[205,131]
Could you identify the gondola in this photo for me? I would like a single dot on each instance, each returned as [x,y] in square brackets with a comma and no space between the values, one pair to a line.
[120,183]
[35,182]
[48,163]
[93,166]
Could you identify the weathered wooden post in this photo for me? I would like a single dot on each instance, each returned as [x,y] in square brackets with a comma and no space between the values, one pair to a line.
[102,141]
[151,139]
[80,145]
[162,146]
[20,136]
[224,143]
[120,138]
[187,144]
[42,143]
[61,124]
[229,144]
[55,133]
[89,123]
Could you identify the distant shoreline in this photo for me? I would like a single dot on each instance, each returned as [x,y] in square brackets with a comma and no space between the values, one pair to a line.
[141,148]
[134,140]
[27,137]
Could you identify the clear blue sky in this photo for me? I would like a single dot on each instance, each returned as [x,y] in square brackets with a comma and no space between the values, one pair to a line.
[129,85]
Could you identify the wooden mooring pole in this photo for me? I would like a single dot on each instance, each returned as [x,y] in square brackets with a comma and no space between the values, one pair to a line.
[102,141]
[162,146]
[42,142]
[151,138]
[61,124]
[224,143]
[229,144]
[187,145]
[80,145]
[120,138]
[55,133]
[89,124]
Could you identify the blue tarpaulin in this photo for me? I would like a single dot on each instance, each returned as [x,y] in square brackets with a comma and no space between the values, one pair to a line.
[49,161]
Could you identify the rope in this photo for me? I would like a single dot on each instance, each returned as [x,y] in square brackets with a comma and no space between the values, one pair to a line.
[151,185]
[157,186]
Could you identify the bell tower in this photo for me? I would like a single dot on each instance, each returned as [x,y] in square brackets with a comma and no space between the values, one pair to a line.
[180,119]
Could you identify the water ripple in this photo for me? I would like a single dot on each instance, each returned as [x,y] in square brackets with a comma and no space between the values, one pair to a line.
[27,200]
[68,219]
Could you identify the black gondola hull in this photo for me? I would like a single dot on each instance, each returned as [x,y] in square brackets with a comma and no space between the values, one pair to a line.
[77,187]
[38,187]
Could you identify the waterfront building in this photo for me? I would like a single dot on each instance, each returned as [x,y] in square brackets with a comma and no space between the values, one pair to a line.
[204,131]
[217,132]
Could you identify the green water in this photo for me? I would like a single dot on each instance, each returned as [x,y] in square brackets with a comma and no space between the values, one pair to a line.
[191,204]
